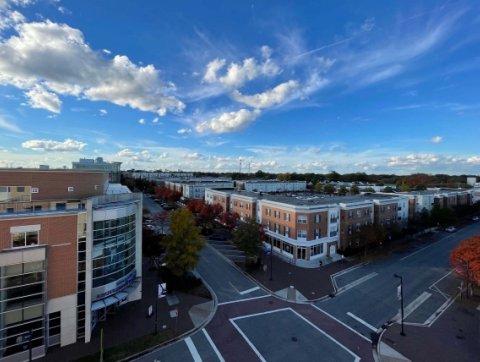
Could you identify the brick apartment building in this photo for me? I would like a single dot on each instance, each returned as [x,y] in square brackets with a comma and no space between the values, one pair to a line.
[219,196]
[68,253]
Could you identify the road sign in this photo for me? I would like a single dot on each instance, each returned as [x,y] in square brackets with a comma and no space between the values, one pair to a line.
[162,290]
[399,292]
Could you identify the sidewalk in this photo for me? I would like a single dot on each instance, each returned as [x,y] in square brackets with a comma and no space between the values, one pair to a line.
[130,321]
[312,283]
[455,336]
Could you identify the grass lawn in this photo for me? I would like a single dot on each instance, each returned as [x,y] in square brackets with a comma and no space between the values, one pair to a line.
[129,348]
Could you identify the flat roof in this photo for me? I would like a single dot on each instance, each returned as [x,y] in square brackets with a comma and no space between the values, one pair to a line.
[302,199]
[58,170]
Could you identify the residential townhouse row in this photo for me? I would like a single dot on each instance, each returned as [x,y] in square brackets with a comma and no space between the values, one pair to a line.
[70,251]
[309,229]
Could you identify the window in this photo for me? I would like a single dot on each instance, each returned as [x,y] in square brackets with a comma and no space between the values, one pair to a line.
[287,231]
[60,206]
[317,218]
[316,249]
[301,233]
[3,188]
[53,324]
[20,188]
[70,188]
[34,190]
[302,219]
[24,239]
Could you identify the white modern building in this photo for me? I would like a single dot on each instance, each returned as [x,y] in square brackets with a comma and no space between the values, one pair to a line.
[271,185]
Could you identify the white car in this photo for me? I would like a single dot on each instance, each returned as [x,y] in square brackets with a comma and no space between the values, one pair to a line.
[451,229]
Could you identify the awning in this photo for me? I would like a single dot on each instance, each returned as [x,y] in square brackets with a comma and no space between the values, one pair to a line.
[108,301]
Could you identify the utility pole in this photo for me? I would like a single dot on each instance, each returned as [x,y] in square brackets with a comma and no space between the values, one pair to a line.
[402,333]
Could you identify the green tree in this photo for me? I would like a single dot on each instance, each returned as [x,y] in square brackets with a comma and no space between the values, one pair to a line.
[404,187]
[370,189]
[248,237]
[343,191]
[329,189]
[183,244]
[388,189]
[318,187]
[284,177]
[442,216]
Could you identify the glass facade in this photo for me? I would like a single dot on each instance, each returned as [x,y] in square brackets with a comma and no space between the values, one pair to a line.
[22,302]
[113,251]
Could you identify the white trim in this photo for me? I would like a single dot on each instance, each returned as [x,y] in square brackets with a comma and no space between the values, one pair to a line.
[24,228]
[215,349]
[410,308]
[358,319]
[356,282]
[193,350]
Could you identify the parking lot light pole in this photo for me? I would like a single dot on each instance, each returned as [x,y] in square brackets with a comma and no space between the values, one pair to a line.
[401,300]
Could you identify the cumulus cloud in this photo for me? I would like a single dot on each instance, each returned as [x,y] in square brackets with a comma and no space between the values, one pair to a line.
[238,74]
[194,156]
[69,145]
[39,97]
[142,156]
[141,121]
[58,57]
[436,139]
[269,98]
[422,159]
[228,121]
[474,160]
[103,112]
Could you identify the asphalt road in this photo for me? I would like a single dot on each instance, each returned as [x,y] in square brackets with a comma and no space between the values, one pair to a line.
[370,296]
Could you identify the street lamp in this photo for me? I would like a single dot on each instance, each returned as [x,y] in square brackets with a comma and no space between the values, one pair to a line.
[271,259]
[400,292]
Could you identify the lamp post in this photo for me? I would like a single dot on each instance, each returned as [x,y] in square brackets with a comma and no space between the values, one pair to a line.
[401,300]
[271,259]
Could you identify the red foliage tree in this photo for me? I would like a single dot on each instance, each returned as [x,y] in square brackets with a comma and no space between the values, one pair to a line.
[465,259]
[229,219]
[195,206]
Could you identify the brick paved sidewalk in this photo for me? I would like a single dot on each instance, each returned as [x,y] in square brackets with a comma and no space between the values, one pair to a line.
[312,283]
[455,336]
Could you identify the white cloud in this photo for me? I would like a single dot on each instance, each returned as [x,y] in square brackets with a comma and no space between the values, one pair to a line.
[69,145]
[475,160]
[142,156]
[228,121]
[238,74]
[436,139]
[155,120]
[269,98]
[57,56]
[39,97]
[103,112]
[141,121]
[9,126]
[10,18]
[184,131]
[423,159]
[194,156]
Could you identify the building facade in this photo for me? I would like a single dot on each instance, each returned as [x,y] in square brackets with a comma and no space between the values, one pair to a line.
[68,254]
[271,186]
[98,164]
[244,204]
[219,197]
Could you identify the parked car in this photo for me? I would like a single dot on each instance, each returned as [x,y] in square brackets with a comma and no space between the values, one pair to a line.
[451,229]
[475,218]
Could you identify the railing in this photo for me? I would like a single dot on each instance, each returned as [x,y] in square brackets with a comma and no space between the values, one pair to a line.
[19,198]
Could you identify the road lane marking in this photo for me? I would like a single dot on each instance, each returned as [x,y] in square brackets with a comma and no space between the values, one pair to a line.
[439,312]
[250,290]
[232,320]
[426,247]
[410,308]
[245,299]
[342,323]
[215,349]
[358,319]
[356,282]
[193,350]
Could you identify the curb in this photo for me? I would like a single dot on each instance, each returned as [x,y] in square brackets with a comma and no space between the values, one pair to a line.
[185,334]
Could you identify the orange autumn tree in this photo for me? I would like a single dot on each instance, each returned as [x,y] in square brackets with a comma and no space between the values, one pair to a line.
[465,260]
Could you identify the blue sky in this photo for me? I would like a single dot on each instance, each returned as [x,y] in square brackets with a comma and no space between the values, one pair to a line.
[280,85]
